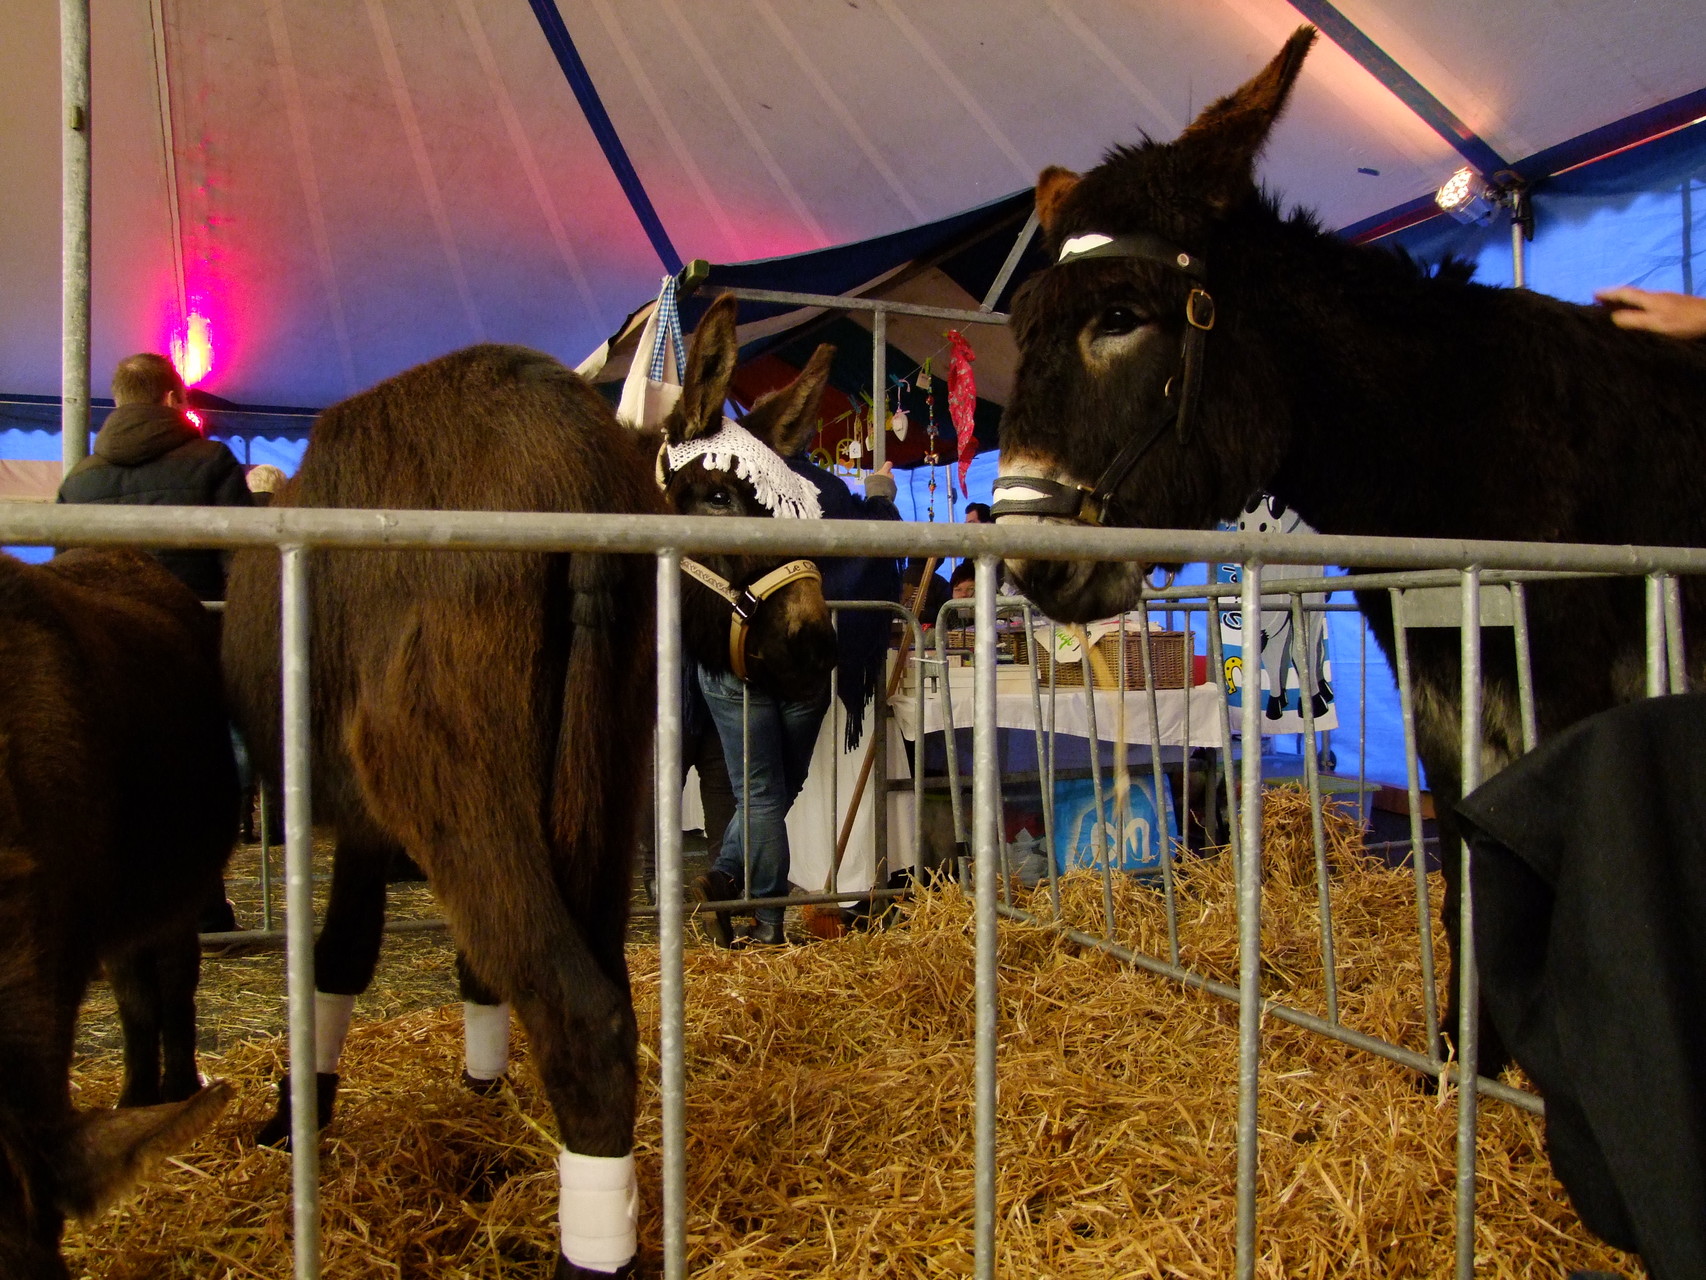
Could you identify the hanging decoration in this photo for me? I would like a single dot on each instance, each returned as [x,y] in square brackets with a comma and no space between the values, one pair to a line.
[898,420]
[962,401]
[932,436]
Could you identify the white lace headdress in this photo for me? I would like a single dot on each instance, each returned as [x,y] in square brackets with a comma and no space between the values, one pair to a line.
[783,492]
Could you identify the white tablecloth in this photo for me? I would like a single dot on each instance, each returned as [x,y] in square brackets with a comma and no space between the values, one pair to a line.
[814,821]
[1014,709]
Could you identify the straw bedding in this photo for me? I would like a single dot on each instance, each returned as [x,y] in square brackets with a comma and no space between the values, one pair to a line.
[829,1116]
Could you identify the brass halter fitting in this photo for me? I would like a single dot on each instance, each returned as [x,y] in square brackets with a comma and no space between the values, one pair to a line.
[745,602]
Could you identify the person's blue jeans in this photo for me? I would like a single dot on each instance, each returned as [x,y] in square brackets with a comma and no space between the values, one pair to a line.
[783,738]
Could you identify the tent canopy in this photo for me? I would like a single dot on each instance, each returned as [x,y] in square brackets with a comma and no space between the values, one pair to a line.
[337,190]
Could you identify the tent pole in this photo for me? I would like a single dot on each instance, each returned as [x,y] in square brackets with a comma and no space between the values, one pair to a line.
[1026,233]
[879,387]
[74,234]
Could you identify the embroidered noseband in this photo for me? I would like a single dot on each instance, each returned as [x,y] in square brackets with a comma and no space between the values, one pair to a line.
[781,490]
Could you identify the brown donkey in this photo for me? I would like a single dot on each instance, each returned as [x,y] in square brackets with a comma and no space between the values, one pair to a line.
[491,714]
[118,809]
[1191,346]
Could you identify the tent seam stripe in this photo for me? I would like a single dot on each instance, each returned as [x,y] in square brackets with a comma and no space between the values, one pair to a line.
[1404,86]
[556,34]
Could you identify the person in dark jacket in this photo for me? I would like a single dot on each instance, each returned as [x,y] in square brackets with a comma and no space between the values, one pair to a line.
[149,452]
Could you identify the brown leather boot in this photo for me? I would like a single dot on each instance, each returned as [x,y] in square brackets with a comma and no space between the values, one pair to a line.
[716,886]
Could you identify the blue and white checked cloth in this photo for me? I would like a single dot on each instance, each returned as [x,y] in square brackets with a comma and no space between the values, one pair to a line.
[668,330]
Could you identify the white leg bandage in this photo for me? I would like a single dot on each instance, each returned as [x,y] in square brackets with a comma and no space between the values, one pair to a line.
[331,1026]
[598,1210]
[485,1039]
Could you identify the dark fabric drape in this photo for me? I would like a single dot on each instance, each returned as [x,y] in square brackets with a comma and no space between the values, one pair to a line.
[1588,859]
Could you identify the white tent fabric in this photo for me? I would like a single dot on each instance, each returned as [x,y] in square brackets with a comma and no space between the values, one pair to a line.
[341,188]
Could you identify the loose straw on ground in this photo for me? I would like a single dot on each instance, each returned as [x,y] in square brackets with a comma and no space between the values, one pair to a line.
[829,1116]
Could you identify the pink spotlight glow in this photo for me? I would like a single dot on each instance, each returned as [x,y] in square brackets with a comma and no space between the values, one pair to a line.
[192,350]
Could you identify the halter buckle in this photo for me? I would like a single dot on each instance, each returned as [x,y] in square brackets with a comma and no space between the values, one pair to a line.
[1199,301]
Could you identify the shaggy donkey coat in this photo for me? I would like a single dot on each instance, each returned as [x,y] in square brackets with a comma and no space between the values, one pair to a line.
[118,809]
[490,714]
[1368,395]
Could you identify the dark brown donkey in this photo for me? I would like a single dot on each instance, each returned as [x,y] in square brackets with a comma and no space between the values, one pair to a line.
[491,713]
[1368,395]
[118,809]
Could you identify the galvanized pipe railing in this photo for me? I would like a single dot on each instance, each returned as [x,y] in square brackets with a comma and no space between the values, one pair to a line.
[672,1006]
[1466,977]
[296,531]
[75,230]
[986,836]
[49,524]
[299,906]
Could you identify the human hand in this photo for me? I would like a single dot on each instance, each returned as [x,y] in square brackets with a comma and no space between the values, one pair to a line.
[887,469]
[1676,315]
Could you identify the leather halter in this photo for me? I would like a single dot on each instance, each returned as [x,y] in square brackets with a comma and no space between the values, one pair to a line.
[1088,504]
[746,600]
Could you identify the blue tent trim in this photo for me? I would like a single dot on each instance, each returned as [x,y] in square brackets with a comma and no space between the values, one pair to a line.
[844,268]
[223,418]
[586,93]
[1408,90]
[1666,130]
[1648,137]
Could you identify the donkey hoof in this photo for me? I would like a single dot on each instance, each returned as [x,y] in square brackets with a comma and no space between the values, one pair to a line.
[567,1270]
[1276,707]
[484,1088]
[276,1132]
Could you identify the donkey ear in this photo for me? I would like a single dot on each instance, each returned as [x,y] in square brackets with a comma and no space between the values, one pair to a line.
[705,382]
[787,418]
[1230,133]
[1053,186]
[109,1152]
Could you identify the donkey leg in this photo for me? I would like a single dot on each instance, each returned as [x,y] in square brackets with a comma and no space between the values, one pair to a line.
[345,956]
[1491,1056]
[155,989]
[136,988]
[485,1031]
[569,986]
[178,970]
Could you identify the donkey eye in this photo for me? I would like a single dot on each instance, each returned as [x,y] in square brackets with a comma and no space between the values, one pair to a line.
[1117,321]
[719,499]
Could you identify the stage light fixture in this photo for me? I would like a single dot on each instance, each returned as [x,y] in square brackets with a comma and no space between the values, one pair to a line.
[1468,197]
[192,350]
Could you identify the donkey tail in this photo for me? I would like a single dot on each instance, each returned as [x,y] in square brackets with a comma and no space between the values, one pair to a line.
[605,730]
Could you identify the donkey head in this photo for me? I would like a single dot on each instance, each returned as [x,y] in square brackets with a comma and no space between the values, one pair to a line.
[711,467]
[1113,419]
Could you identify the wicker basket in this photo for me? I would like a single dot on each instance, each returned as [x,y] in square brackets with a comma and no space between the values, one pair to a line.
[1170,657]
[1009,645]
